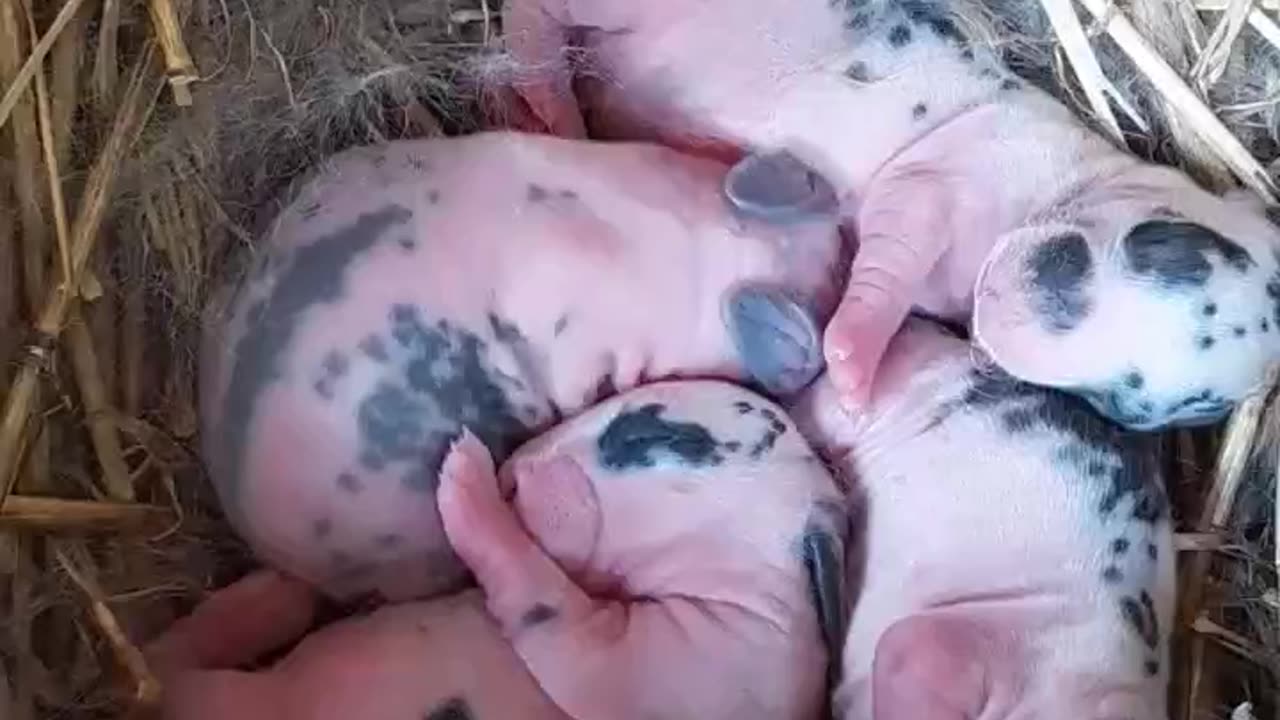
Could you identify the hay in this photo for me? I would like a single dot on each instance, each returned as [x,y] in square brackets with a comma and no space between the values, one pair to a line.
[125,205]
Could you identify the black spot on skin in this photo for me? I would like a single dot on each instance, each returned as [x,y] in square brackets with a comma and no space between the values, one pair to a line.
[567,195]
[733,446]
[768,414]
[504,331]
[447,384]
[1019,420]
[1134,380]
[388,540]
[1210,309]
[765,444]
[310,211]
[433,197]
[967,55]
[407,242]
[933,15]
[858,71]
[454,708]
[988,73]
[1120,546]
[1151,668]
[630,438]
[1140,614]
[316,276]
[561,324]
[1239,331]
[1152,552]
[539,614]
[536,193]
[605,387]
[1061,269]
[374,348]
[335,364]
[1205,342]
[742,406]
[417,163]
[322,527]
[1124,463]
[323,388]
[1112,574]
[899,36]
[348,482]
[919,110]
[1176,253]
[1264,326]
[1010,84]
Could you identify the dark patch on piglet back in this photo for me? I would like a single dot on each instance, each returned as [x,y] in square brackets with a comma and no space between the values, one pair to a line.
[631,438]
[1061,269]
[1176,253]
[455,708]
[539,614]
[316,276]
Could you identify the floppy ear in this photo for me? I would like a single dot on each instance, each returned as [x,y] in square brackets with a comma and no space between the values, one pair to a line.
[1035,300]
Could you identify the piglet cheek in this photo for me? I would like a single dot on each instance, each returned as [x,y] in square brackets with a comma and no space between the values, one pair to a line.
[557,503]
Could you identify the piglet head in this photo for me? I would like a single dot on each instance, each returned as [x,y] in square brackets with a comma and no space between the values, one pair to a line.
[1152,298]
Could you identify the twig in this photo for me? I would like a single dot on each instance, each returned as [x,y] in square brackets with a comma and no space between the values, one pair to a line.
[97,409]
[1265,26]
[19,85]
[132,115]
[1231,640]
[46,514]
[1080,54]
[146,687]
[178,63]
[1182,98]
[106,65]
[1212,64]
[1198,542]
[51,167]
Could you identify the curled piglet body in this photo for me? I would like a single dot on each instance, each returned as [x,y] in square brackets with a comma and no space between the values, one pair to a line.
[673,553]
[975,197]
[1014,554]
[499,282]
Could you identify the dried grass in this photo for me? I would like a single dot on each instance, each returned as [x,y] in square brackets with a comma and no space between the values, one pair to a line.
[123,207]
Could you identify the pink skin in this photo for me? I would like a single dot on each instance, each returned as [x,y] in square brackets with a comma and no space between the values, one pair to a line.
[994,585]
[952,172]
[407,662]
[611,264]
[672,591]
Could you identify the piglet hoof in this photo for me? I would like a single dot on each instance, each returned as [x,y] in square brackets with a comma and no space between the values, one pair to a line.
[777,188]
[777,340]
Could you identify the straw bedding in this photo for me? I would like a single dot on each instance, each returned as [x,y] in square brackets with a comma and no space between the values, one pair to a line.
[143,141]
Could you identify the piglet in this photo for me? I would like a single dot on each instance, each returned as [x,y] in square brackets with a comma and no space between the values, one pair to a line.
[1014,553]
[438,660]
[675,552]
[975,197]
[498,281]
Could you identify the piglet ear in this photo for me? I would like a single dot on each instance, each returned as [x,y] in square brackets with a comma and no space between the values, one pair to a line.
[930,668]
[1034,305]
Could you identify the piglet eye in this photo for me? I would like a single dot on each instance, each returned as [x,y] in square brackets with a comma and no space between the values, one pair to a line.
[1176,253]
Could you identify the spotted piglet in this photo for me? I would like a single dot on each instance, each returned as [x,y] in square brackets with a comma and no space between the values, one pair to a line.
[498,281]
[675,552]
[443,659]
[1014,554]
[975,197]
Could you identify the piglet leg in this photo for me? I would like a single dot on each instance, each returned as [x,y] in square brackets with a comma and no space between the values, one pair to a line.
[195,659]
[902,234]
